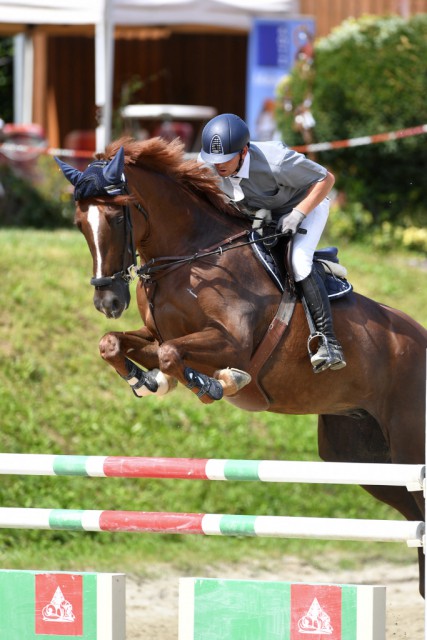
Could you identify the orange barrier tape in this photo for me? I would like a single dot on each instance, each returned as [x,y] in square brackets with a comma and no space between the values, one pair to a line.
[358,142]
[23,151]
[19,151]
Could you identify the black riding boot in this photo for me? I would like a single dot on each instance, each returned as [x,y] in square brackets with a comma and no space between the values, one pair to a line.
[329,354]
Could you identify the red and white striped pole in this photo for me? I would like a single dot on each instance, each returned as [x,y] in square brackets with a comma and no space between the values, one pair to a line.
[8,148]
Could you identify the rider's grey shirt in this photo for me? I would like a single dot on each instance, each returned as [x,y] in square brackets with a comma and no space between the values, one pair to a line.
[278,178]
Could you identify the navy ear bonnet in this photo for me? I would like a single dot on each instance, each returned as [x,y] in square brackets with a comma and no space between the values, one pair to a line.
[101,177]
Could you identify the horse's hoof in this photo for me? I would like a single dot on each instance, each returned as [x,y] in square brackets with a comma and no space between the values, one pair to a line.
[232,380]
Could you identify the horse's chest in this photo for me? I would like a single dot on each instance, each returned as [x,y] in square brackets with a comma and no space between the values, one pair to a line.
[172,314]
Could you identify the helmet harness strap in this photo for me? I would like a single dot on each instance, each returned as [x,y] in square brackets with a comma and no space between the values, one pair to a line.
[241,159]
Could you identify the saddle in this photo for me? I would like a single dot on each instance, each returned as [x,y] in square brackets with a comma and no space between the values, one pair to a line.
[280,271]
[326,261]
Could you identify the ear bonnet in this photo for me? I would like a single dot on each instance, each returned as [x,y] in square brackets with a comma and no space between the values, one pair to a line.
[102,177]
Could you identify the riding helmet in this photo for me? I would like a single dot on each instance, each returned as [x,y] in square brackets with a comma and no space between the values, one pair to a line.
[223,137]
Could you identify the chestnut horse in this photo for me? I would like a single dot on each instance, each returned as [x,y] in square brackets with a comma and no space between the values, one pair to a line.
[206,309]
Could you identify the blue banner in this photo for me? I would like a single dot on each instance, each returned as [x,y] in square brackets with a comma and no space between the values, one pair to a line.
[274,47]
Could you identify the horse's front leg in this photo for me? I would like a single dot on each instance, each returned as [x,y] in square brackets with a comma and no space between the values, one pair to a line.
[211,350]
[123,349]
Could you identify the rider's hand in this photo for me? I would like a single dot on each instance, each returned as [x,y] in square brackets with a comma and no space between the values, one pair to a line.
[290,223]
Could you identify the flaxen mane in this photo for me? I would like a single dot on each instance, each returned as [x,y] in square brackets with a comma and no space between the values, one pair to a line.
[156,154]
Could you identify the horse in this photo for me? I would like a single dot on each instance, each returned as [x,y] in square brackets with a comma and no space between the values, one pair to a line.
[207,305]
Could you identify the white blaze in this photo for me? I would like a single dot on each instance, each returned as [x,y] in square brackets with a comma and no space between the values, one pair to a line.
[93,219]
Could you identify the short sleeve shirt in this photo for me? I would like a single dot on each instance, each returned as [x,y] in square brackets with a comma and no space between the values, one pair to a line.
[278,178]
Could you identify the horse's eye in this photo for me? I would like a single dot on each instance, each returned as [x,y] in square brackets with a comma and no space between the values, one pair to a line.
[117,220]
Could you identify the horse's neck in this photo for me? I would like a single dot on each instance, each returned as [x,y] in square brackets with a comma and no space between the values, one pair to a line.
[180,222]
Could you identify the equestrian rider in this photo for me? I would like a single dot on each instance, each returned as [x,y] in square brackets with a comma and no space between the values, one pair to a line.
[269,175]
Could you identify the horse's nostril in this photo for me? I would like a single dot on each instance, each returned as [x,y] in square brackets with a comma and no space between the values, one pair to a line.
[112,301]
[115,304]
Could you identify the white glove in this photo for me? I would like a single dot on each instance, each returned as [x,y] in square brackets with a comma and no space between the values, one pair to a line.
[290,223]
[262,216]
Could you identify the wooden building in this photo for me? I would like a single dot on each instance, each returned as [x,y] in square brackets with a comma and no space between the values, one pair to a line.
[192,65]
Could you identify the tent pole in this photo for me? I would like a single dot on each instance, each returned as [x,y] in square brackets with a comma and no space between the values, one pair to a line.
[104,73]
[23,78]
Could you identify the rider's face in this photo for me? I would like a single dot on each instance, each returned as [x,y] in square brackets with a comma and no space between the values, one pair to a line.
[226,169]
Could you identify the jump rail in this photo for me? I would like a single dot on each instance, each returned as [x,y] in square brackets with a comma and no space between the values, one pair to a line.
[410,476]
[215,524]
[405,475]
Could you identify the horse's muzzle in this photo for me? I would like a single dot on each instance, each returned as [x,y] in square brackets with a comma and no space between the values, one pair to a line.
[113,299]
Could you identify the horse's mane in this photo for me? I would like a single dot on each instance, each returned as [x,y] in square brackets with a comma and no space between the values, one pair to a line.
[156,154]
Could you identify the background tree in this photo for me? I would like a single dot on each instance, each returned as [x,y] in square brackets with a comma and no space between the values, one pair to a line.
[369,76]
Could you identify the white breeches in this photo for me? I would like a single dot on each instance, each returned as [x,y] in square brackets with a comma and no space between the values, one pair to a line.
[305,245]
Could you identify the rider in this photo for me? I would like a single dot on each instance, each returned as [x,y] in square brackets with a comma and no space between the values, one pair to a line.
[269,175]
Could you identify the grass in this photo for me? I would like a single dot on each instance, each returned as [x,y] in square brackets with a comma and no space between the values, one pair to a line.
[57,396]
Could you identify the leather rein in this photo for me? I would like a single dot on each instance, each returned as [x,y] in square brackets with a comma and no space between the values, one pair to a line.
[166,263]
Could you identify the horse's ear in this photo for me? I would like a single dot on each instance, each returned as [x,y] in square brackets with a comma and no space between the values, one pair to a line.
[113,171]
[69,172]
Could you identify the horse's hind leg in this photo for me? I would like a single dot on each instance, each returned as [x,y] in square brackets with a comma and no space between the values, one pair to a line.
[347,439]
[123,349]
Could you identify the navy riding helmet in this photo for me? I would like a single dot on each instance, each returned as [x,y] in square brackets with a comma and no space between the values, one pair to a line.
[223,138]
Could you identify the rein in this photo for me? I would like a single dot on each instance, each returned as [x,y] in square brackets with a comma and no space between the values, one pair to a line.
[167,263]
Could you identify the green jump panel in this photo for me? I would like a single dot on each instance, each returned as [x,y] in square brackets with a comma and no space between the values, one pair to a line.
[38,605]
[214,609]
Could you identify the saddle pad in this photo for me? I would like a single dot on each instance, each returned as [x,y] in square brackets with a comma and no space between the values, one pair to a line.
[335,286]
[266,259]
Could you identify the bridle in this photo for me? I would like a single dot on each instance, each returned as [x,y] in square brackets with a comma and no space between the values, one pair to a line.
[162,265]
[127,273]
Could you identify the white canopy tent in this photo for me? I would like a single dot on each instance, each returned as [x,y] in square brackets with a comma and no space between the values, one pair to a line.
[105,15]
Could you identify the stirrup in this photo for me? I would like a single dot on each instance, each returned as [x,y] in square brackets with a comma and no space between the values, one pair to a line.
[331,358]
[321,342]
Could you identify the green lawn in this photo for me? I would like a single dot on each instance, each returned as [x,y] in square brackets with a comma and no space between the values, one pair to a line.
[57,396]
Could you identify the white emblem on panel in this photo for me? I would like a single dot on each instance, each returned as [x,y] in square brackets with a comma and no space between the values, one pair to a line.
[316,620]
[58,609]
